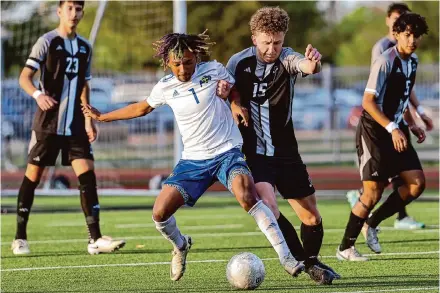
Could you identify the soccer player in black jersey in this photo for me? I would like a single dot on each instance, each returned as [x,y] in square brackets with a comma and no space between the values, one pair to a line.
[64,60]
[265,76]
[403,221]
[384,150]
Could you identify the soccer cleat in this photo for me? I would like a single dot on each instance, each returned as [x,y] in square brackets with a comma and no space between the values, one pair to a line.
[292,266]
[350,254]
[320,275]
[328,268]
[352,197]
[408,223]
[178,262]
[105,244]
[372,241]
[20,247]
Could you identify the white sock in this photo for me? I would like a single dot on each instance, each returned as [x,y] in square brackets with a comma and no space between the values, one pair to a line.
[268,225]
[170,231]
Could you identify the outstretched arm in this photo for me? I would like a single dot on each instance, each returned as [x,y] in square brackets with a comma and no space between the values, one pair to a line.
[312,62]
[135,110]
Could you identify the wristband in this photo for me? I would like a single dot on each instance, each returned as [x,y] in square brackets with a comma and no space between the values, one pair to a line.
[36,94]
[420,110]
[391,126]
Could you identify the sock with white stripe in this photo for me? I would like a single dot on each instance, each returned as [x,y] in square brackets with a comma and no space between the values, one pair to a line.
[268,225]
[170,231]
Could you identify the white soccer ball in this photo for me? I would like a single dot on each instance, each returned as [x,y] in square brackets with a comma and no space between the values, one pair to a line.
[245,271]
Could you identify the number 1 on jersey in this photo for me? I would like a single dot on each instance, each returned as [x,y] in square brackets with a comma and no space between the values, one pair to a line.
[195,95]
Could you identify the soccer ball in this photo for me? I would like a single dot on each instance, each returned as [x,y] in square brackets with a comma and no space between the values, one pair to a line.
[245,271]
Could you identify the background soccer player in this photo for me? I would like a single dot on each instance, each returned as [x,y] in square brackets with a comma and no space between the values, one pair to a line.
[211,143]
[64,59]
[265,75]
[383,149]
[403,221]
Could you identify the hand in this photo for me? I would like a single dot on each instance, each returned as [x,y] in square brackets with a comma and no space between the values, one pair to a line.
[90,112]
[45,102]
[418,132]
[312,54]
[428,122]
[239,111]
[223,89]
[399,140]
[91,130]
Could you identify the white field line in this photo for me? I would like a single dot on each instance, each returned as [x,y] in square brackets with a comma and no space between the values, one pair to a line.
[392,289]
[198,235]
[191,261]
[198,227]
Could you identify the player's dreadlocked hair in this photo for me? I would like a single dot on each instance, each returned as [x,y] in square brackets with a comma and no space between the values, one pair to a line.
[177,43]
[269,20]
[414,22]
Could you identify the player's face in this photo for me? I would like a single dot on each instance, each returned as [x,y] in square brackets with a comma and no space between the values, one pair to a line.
[70,14]
[408,42]
[183,68]
[391,19]
[268,46]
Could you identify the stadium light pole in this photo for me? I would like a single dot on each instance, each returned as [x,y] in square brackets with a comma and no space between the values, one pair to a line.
[179,26]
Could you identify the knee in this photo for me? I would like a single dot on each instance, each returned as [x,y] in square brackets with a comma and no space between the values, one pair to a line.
[371,195]
[159,215]
[245,192]
[416,189]
[311,219]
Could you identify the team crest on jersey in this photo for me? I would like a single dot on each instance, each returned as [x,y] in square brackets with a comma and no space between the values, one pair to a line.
[205,79]
[82,49]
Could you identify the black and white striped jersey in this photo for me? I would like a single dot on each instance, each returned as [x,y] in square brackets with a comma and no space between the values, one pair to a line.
[65,67]
[391,80]
[267,90]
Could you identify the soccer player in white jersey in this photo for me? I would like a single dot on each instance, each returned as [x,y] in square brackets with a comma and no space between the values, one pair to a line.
[211,142]
[383,149]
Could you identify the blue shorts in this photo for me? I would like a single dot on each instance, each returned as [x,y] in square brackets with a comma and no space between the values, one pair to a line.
[193,177]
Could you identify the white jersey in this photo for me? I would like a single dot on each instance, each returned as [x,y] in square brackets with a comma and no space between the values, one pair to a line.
[204,119]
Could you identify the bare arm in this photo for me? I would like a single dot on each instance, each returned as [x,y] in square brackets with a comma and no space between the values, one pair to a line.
[239,113]
[44,102]
[310,67]
[420,111]
[135,110]
[399,140]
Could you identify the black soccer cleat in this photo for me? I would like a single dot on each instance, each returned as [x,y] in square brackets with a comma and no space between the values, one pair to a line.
[320,275]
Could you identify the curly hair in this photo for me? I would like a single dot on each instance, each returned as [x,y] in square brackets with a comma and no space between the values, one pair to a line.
[269,20]
[413,22]
[177,43]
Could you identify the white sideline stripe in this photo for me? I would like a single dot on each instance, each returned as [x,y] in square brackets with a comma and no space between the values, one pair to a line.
[205,227]
[197,261]
[391,289]
[381,228]
[155,237]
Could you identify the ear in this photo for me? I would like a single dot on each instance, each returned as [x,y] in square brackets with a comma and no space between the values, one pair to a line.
[254,40]
[59,11]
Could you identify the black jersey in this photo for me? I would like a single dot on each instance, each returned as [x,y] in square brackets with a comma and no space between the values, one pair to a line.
[267,90]
[65,67]
[391,80]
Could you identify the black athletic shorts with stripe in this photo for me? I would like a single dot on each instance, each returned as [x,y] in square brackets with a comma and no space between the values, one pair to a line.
[378,159]
[288,175]
[44,149]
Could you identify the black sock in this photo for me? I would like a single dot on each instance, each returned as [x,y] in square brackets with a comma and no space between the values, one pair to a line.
[402,213]
[393,204]
[25,199]
[352,231]
[89,203]
[311,237]
[291,237]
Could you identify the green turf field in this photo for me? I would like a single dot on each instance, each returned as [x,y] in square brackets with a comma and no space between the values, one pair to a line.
[220,229]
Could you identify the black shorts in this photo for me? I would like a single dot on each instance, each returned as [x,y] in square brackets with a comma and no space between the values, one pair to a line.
[288,175]
[44,149]
[378,159]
